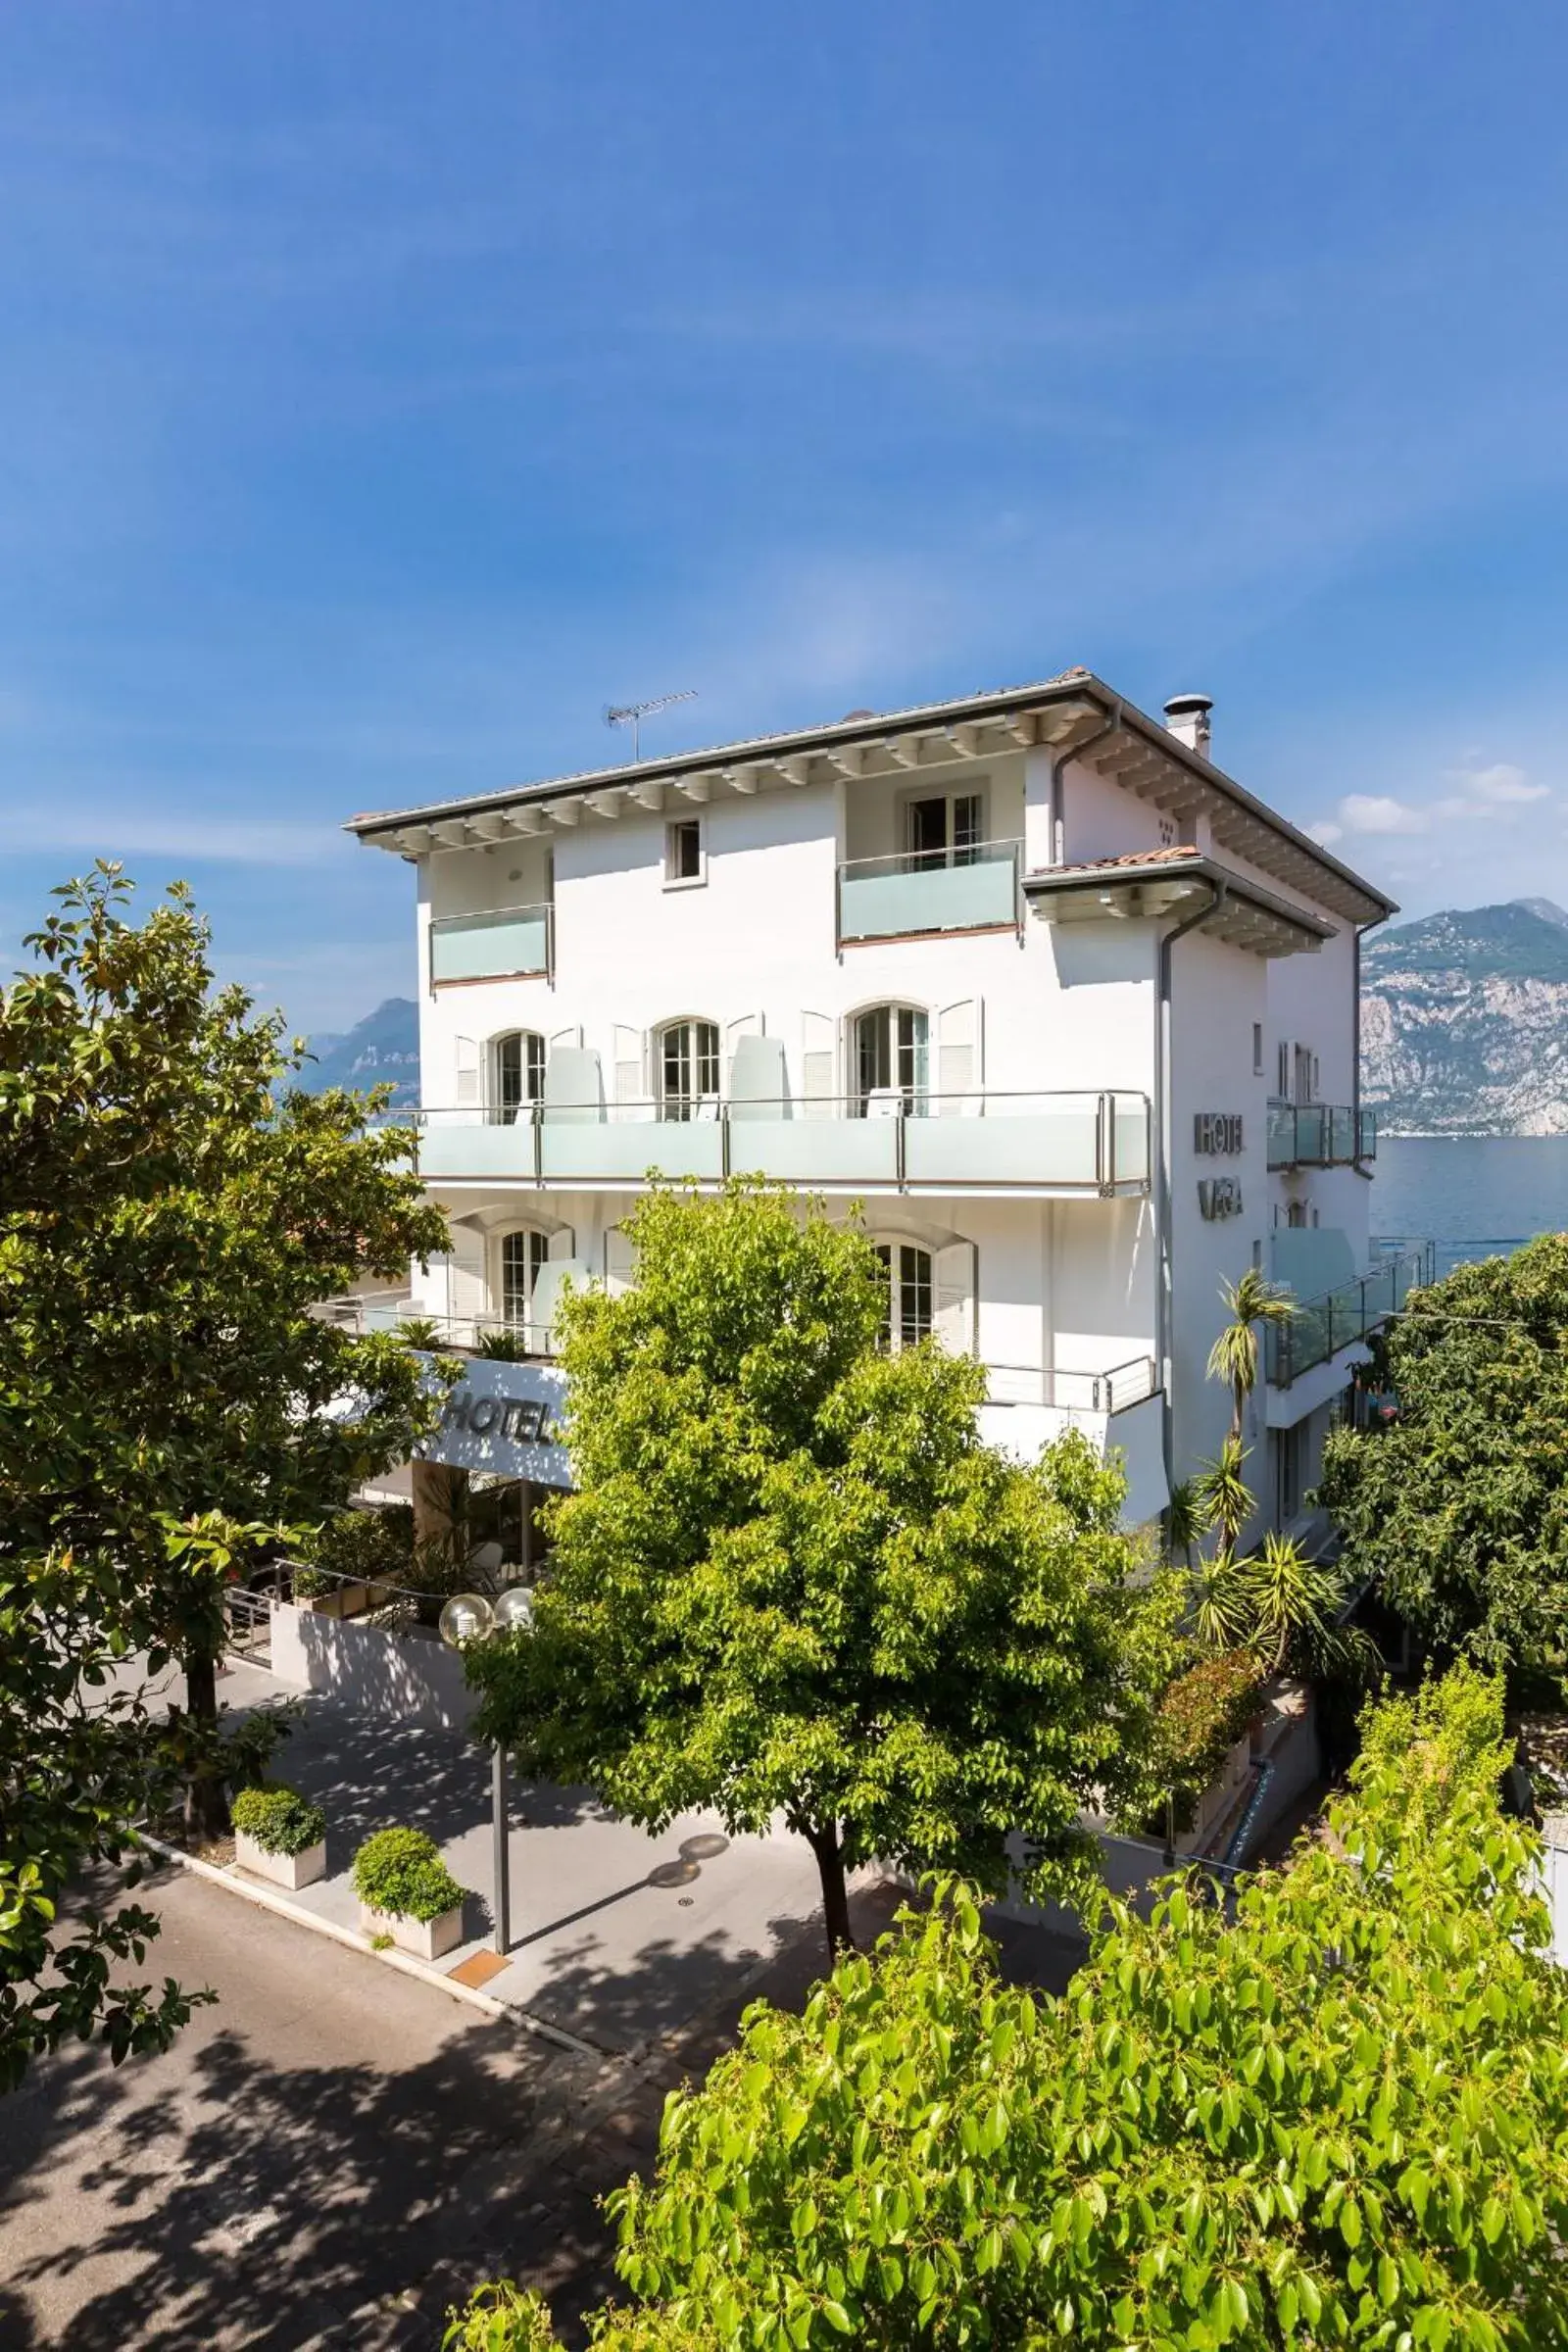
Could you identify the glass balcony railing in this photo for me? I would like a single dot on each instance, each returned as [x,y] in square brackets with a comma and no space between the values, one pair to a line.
[1320,1135]
[969,889]
[1320,1327]
[510,942]
[1095,1142]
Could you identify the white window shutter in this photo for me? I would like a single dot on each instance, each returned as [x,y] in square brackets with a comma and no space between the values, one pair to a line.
[750,1025]
[568,1037]
[954,1281]
[468,1284]
[466,1071]
[563,1244]
[818,1044]
[631,1064]
[620,1260]
[958,1057]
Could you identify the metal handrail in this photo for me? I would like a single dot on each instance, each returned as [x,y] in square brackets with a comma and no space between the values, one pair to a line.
[1110,1390]
[923,862]
[477,915]
[1319,1135]
[441,925]
[1338,1318]
[791,1106]
[733,1121]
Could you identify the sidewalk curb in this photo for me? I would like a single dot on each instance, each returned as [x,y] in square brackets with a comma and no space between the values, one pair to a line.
[265,1899]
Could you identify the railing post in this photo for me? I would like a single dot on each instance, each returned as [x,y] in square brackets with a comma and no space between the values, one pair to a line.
[723,1141]
[900,1157]
[537,1121]
[1099,1142]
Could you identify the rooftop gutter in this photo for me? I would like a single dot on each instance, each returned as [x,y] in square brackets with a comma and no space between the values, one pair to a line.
[1081,686]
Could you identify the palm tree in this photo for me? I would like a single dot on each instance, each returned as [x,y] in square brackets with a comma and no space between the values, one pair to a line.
[1232,1358]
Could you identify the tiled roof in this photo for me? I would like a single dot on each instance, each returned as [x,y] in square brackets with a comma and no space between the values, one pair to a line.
[1172,856]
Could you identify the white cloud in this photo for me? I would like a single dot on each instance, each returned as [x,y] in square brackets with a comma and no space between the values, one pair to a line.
[1380,812]
[47,826]
[1326,832]
[1501,783]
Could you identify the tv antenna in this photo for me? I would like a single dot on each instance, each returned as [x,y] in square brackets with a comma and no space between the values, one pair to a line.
[632,715]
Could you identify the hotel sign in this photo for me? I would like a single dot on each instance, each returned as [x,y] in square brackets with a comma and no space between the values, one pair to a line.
[1216,1133]
[505,1419]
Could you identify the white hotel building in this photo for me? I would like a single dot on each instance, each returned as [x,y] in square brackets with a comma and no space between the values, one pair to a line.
[1070,1013]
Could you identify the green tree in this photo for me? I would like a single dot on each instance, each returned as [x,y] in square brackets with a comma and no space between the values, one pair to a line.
[169,1216]
[792,1579]
[1458,1508]
[1340,2118]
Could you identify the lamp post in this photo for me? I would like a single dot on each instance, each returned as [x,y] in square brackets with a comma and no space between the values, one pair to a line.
[470,1617]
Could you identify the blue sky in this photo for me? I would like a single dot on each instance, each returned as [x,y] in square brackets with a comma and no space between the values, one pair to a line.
[384,388]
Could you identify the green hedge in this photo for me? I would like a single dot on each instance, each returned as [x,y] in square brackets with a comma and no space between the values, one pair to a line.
[280,1820]
[402,1871]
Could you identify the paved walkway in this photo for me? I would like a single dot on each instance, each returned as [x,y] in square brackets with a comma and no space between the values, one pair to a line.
[617,1936]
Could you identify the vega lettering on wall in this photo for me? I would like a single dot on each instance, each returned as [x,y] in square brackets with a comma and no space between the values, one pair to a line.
[1219,1196]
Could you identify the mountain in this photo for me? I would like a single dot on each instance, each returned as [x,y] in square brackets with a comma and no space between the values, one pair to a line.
[1464,1022]
[385,1045]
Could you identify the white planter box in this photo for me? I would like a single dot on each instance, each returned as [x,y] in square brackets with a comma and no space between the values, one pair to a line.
[292,1871]
[423,1939]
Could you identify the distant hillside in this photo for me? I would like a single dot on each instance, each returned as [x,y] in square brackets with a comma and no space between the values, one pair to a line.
[384,1046]
[1464,1022]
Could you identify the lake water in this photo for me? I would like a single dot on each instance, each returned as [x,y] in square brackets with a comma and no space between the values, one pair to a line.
[1472,1195]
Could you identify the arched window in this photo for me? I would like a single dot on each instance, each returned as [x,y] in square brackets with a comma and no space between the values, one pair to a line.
[516,1073]
[889,1053]
[912,1293]
[687,1069]
[521,1256]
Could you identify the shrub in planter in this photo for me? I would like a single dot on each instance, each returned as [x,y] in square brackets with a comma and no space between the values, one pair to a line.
[353,1553]
[280,1835]
[1202,1714]
[404,1886]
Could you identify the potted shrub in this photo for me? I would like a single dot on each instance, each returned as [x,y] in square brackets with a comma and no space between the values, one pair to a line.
[280,1835]
[407,1891]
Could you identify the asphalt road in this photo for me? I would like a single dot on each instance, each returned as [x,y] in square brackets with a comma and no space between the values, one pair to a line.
[325,2156]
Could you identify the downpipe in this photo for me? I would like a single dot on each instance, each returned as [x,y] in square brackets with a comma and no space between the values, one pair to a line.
[1162,1181]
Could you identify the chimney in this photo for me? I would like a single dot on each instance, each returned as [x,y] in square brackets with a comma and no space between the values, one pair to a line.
[1187,718]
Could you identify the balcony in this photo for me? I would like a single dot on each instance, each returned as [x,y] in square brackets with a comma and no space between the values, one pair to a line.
[974,888]
[509,943]
[1044,1143]
[1118,1409]
[1341,1318]
[1320,1135]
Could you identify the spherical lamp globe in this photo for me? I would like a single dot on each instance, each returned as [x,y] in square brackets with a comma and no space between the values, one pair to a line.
[467,1617]
[514,1609]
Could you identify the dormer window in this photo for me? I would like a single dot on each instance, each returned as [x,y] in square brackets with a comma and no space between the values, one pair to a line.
[943,829]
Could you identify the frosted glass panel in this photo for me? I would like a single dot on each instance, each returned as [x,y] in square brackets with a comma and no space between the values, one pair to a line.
[817,1151]
[487,947]
[629,1149]
[462,1146]
[877,901]
[1052,1146]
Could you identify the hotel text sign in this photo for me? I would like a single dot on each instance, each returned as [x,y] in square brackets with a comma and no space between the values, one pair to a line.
[505,1419]
[1216,1133]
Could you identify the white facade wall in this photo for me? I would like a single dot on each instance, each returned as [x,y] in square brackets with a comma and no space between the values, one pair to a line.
[1069,1285]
